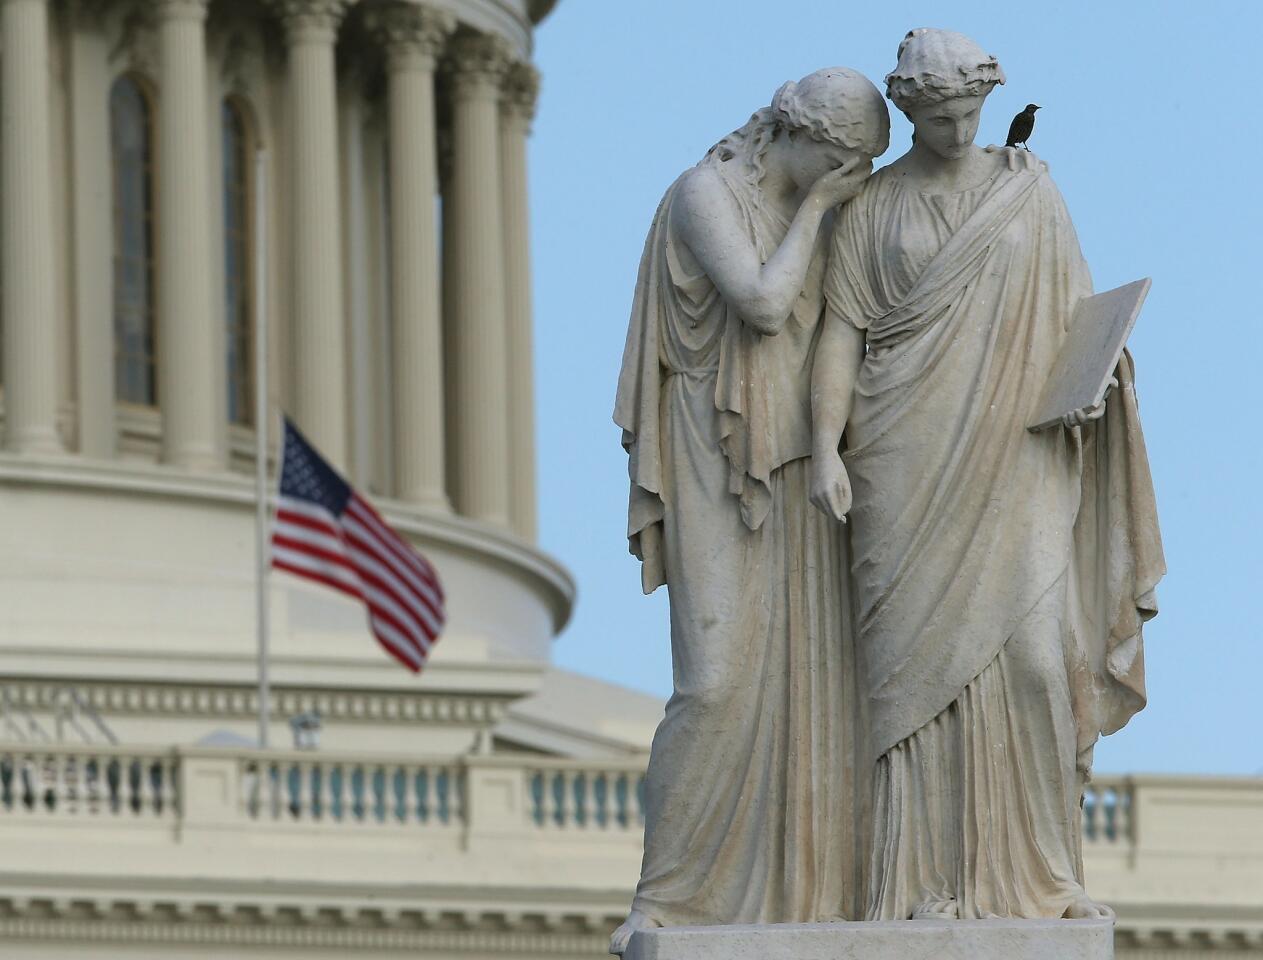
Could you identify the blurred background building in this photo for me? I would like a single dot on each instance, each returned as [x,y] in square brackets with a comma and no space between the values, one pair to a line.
[489,808]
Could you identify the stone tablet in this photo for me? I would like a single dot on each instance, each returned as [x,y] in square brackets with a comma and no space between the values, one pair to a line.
[1083,369]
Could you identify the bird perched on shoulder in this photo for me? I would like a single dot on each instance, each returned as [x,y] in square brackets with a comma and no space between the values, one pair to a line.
[1022,126]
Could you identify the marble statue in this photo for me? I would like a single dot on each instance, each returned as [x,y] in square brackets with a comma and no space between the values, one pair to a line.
[884,708]
[1001,577]
[745,790]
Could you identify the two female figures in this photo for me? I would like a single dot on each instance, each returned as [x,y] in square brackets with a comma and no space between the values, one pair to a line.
[899,726]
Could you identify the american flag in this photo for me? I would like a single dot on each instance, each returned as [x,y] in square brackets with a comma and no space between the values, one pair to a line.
[327,532]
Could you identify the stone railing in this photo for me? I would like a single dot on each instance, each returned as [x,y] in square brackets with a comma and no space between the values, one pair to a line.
[281,789]
[63,781]
[1107,811]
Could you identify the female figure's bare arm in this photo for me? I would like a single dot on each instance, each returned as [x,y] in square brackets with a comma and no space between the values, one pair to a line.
[709,222]
[839,354]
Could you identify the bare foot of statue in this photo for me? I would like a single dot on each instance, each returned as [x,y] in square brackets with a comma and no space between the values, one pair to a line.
[945,909]
[1085,908]
[636,920]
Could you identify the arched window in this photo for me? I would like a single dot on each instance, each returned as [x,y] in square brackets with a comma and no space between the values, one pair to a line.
[238,272]
[131,150]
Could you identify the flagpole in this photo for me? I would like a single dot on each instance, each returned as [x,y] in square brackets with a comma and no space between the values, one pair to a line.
[261,439]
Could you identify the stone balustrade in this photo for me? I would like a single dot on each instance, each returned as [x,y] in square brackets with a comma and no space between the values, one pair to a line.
[277,789]
[528,795]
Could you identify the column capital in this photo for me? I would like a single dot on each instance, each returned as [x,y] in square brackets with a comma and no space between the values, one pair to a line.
[476,65]
[519,94]
[413,35]
[165,10]
[310,20]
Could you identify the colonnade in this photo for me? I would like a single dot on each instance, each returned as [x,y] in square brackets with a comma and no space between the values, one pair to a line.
[477,283]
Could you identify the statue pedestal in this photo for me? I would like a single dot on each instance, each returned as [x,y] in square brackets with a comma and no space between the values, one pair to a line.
[900,940]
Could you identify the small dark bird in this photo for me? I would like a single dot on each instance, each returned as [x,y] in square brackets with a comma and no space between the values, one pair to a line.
[1022,127]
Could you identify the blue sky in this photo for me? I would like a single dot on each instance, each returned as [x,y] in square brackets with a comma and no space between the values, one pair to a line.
[1150,126]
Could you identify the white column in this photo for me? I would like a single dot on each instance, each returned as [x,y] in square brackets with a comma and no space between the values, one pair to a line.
[188,362]
[517,109]
[91,237]
[318,333]
[480,391]
[26,209]
[413,37]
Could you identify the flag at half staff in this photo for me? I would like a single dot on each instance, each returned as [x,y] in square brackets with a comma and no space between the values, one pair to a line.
[327,532]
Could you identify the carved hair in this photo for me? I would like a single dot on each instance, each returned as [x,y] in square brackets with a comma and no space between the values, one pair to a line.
[834,105]
[937,65]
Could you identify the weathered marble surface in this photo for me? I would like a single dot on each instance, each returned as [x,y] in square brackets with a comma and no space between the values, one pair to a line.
[889,940]
[748,794]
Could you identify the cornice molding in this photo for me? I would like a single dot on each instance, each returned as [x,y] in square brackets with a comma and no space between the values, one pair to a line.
[240,701]
[556,929]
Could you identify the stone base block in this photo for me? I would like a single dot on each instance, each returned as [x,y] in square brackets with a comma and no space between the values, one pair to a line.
[901,940]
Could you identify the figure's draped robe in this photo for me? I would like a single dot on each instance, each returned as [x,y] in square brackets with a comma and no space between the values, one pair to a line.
[1000,577]
[747,816]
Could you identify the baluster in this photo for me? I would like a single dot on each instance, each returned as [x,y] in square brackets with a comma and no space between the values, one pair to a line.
[592,781]
[30,783]
[553,791]
[8,782]
[250,788]
[381,789]
[92,785]
[408,814]
[1089,813]
[427,809]
[276,789]
[301,795]
[162,786]
[566,810]
[346,795]
[72,772]
[1109,809]
[606,815]
[57,791]
[640,800]
[318,785]
[458,795]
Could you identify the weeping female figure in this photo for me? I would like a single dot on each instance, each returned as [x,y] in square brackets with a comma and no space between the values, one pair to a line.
[749,780]
[1001,576]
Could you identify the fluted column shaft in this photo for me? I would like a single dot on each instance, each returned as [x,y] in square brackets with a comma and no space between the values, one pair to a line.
[318,331]
[413,37]
[518,108]
[480,392]
[26,209]
[188,362]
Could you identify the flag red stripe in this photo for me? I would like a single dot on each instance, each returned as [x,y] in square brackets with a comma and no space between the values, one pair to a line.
[425,626]
[298,546]
[420,604]
[404,550]
[409,634]
[358,536]
[284,516]
[398,646]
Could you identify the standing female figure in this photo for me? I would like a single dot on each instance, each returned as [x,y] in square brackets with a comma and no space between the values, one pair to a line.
[1001,576]
[744,816]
